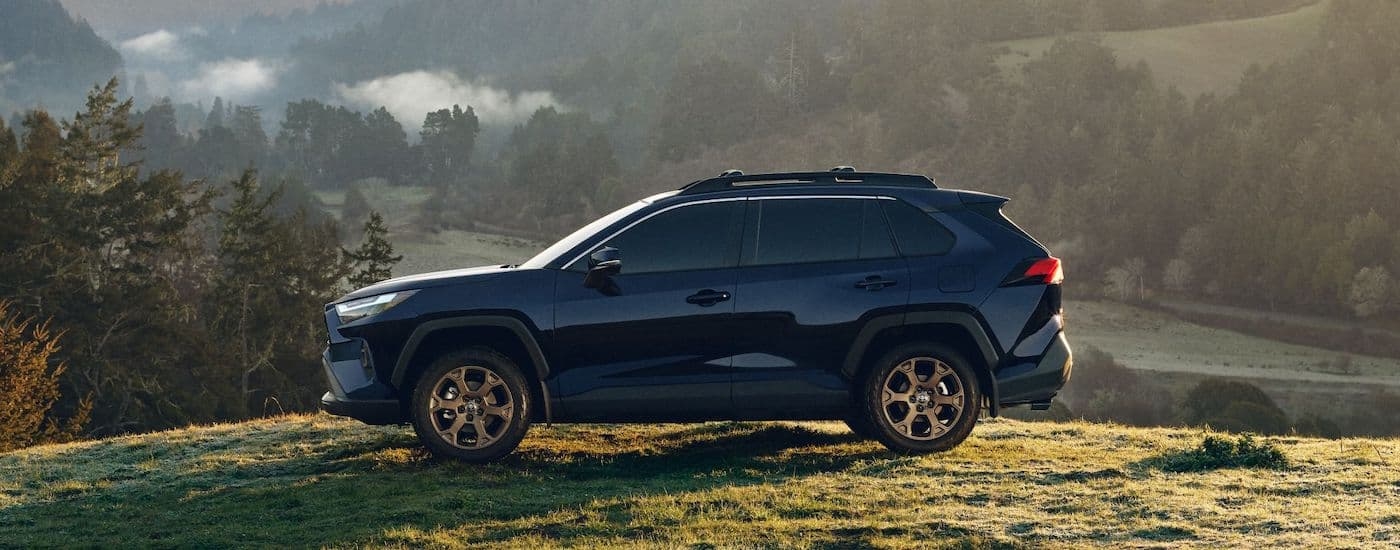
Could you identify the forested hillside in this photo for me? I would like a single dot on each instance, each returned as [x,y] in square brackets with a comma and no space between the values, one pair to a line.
[47,57]
[140,231]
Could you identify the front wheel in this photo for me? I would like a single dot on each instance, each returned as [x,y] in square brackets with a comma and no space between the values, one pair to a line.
[921,398]
[472,405]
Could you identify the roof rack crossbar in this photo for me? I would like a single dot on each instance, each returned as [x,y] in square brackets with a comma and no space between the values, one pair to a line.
[734,179]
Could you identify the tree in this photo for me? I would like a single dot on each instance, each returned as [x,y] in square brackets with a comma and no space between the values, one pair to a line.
[108,256]
[374,260]
[29,385]
[709,103]
[449,135]
[273,277]
[160,135]
[1371,291]
[9,145]
[216,114]
[355,211]
[1128,280]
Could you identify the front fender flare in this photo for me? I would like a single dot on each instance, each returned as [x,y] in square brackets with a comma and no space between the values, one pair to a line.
[516,326]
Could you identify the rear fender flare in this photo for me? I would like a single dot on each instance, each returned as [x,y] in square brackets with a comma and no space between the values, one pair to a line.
[989,356]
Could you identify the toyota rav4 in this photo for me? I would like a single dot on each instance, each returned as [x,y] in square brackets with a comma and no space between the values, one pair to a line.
[903,309]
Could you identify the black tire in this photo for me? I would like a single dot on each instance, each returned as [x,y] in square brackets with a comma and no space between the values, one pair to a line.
[464,394]
[934,384]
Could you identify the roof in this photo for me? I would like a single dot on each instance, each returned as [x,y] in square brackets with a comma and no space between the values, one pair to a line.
[841,175]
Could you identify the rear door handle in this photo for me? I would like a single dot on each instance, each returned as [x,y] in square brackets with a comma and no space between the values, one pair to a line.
[707,297]
[875,282]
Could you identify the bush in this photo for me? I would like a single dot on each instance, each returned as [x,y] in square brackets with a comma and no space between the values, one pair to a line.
[1216,452]
[29,385]
[1103,390]
[1315,425]
[1234,406]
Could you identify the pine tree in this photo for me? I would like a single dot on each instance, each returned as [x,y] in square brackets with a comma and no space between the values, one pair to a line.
[9,145]
[374,259]
[355,211]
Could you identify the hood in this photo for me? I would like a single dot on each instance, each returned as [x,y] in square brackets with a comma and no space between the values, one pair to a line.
[428,280]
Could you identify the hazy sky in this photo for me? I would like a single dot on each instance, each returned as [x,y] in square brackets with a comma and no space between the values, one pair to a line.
[124,18]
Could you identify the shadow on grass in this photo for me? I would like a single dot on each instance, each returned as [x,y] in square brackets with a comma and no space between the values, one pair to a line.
[352,492]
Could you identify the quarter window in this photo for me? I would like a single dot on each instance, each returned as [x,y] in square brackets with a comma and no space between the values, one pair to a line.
[916,232]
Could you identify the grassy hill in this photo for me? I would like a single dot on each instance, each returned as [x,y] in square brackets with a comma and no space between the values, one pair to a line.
[315,480]
[1208,57]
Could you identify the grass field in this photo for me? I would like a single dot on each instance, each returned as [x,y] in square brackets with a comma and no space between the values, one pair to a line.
[1197,59]
[314,480]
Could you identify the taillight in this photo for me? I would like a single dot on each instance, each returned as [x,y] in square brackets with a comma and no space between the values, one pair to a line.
[1039,271]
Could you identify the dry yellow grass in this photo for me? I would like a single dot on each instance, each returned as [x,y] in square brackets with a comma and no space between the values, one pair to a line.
[319,481]
[1202,58]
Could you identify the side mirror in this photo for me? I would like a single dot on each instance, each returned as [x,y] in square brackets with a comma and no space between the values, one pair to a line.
[602,265]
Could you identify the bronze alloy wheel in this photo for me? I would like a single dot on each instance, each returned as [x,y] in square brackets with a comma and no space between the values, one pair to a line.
[470,407]
[923,398]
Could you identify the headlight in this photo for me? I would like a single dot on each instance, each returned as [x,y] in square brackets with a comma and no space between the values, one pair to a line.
[355,310]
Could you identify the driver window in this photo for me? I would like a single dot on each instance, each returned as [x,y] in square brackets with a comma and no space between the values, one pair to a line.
[688,238]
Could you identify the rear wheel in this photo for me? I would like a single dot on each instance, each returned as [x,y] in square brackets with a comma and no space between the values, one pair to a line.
[472,405]
[921,398]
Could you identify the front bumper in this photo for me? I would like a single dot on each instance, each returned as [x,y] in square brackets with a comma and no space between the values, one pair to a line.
[369,411]
[353,390]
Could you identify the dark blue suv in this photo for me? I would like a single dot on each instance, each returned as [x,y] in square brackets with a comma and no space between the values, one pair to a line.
[877,299]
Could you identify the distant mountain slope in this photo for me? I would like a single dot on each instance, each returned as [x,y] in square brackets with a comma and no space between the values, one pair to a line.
[1202,58]
[316,481]
[131,17]
[47,56]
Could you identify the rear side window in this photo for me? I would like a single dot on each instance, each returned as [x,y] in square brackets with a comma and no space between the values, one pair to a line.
[689,238]
[916,232]
[790,231]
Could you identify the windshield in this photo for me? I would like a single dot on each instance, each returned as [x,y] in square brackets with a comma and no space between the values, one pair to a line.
[583,233]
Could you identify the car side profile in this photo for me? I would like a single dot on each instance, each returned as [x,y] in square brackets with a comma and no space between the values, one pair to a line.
[879,299]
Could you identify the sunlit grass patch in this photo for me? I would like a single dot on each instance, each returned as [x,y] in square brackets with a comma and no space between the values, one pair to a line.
[318,481]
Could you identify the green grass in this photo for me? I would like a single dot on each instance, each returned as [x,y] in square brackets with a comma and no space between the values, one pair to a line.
[318,481]
[1208,57]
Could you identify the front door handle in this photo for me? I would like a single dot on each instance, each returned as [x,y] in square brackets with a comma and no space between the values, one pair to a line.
[707,297]
[875,282]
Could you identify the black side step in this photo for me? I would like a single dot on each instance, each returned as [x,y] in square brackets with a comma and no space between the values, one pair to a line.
[1040,405]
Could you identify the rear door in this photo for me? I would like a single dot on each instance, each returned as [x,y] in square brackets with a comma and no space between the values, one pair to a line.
[813,270]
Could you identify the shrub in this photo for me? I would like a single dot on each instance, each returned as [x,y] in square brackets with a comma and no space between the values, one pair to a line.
[1233,405]
[29,385]
[1101,389]
[1317,426]
[1216,452]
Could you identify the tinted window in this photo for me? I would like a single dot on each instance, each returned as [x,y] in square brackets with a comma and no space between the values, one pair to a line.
[875,233]
[791,231]
[916,232]
[702,236]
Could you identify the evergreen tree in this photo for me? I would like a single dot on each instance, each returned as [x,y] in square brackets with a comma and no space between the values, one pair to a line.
[216,114]
[9,145]
[374,260]
[449,135]
[356,211]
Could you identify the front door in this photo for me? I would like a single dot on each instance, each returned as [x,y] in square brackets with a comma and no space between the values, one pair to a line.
[657,345]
